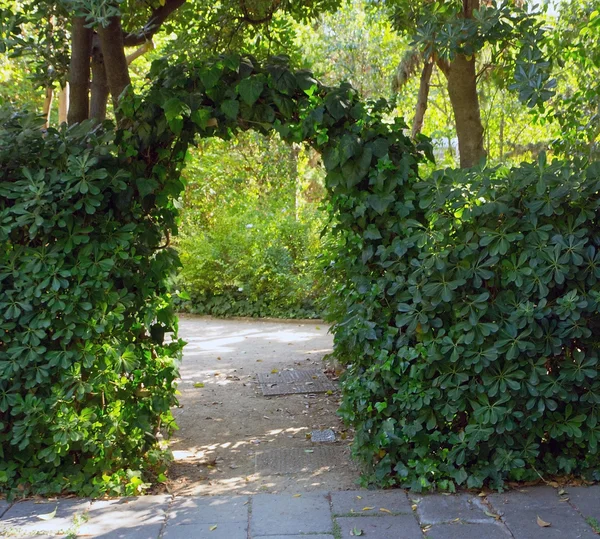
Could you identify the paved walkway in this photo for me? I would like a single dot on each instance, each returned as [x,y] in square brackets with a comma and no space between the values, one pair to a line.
[537,512]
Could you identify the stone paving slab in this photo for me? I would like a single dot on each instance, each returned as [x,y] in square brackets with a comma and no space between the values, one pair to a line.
[284,514]
[520,510]
[586,500]
[461,530]
[130,518]
[355,501]
[4,507]
[297,459]
[381,527]
[202,510]
[294,382]
[438,508]
[226,530]
[308,536]
[23,518]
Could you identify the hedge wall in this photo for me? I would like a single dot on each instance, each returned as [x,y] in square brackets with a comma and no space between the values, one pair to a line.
[471,328]
[86,380]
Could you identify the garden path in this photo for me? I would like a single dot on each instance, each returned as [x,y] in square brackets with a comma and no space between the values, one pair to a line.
[232,439]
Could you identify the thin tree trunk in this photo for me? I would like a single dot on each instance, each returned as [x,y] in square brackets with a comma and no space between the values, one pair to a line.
[99,87]
[63,104]
[115,61]
[422,98]
[79,74]
[48,105]
[502,134]
[462,90]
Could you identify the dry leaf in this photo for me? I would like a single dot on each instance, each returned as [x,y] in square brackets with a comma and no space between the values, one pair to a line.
[198,384]
[274,371]
[48,516]
[565,499]
[493,515]
[414,506]
[482,494]
[543,523]
[562,491]
[359,497]
[384,510]
[367,508]
[355,532]
[296,495]
[213,528]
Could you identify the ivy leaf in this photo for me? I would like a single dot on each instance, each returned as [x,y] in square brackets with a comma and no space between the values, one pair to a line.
[250,90]
[231,108]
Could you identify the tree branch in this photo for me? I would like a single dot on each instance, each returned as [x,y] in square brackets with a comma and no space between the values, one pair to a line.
[157,18]
[422,99]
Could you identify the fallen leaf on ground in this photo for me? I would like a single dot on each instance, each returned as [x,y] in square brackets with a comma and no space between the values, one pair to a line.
[359,497]
[543,523]
[562,491]
[309,450]
[367,508]
[355,532]
[274,371]
[296,495]
[384,510]
[198,384]
[493,515]
[213,528]
[48,516]
[482,494]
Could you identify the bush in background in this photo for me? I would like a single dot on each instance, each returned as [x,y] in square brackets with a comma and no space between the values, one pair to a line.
[250,241]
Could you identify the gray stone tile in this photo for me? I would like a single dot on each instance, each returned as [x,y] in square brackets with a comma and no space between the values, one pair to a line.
[354,501]
[131,518]
[310,536]
[381,527]
[22,518]
[520,510]
[226,530]
[4,507]
[437,508]
[282,514]
[462,530]
[205,509]
[586,500]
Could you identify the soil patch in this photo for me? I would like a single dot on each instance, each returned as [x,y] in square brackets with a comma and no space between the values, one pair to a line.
[232,439]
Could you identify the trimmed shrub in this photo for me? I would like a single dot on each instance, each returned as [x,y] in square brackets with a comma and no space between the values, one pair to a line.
[86,379]
[471,328]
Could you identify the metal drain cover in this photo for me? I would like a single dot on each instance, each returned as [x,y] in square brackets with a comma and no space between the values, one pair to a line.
[294,382]
[298,460]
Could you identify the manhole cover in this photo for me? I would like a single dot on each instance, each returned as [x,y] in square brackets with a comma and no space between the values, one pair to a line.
[298,460]
[322,436]
[292,382]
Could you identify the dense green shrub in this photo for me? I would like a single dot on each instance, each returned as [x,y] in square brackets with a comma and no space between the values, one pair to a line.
[86,382]
[255,263]
[471,328]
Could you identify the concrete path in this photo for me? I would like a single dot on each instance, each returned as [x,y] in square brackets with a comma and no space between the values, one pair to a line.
[537,512]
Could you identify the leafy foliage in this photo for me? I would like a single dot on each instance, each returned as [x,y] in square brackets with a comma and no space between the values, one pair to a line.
[86,378]
[471,325]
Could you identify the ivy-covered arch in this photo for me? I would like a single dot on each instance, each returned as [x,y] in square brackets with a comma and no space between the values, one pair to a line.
[86,214]
[466,304]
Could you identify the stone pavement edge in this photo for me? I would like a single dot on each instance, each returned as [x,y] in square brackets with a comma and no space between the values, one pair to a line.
[527,513]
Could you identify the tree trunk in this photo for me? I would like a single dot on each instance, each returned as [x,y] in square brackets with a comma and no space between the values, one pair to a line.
[115,61]
[63,104]
[422,98]
[79,74]
[48,105]
[99,87]
[462,90]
